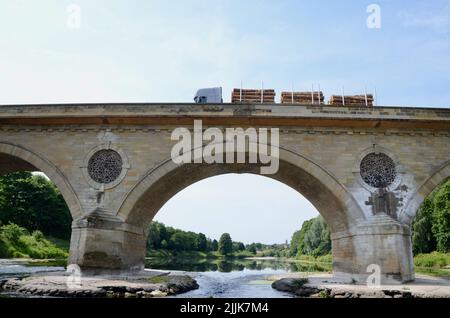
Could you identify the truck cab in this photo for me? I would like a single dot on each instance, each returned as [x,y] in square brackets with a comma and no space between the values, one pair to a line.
[209,96]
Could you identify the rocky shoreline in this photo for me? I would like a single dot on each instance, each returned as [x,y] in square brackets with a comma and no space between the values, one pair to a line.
[326,287]
[57,284]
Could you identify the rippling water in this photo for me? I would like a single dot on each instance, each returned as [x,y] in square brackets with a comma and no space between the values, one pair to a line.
[13,267]
[242,278]
[239,284]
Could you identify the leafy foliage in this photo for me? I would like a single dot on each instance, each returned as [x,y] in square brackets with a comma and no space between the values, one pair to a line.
[225,244]
[163,237]
[431,227]
[423,238]
[441,216]
[312,239]
[16,241]
[34,202]
[434,259]
[166,238]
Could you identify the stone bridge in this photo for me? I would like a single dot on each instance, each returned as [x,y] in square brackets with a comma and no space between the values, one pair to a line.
[366,170]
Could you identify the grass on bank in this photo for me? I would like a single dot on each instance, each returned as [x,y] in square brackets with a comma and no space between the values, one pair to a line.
[435,263]
[326,259]
[17,242]
[432,260]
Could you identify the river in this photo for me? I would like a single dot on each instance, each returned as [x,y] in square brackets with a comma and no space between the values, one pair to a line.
[238,278]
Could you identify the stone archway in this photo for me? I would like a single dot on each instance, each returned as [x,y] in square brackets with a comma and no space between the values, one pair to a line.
[17,158]
[161,183]
[118,241]
[302,174]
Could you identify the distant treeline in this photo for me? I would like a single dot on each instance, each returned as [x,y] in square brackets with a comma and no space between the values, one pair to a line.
[163,237]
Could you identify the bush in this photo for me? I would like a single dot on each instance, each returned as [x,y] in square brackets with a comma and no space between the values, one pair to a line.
[325,258]
[434,260]
[38,235]
[306,258]
[13,232]
[15,241]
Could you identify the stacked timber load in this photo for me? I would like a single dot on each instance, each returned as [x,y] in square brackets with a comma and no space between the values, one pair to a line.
[352,100]
[302,98]
[253,96]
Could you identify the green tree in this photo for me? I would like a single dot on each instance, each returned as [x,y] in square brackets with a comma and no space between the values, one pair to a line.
[252,248]
[33,202]
[202,242]
[179,242]
[214,245]
[441,218]
[225,244]
[312,239]
[155,238]
[431,226]
[297,246]
[423,240]
[317,239]
[238,246]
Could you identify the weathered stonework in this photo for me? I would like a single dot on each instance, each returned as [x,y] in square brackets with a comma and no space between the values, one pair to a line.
[321,149]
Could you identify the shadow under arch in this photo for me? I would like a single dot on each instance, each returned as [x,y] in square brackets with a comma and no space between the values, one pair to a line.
[315,183]
[438,177]
[17,158]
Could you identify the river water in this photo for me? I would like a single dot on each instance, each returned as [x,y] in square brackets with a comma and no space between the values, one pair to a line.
[243,278]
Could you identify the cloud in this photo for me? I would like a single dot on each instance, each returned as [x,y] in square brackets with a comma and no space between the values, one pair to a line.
[437,20]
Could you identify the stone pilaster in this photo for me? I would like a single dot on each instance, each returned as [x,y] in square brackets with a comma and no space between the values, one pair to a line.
[102,242]
[380,241]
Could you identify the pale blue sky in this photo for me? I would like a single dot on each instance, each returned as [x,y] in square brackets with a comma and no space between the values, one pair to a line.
[162,51]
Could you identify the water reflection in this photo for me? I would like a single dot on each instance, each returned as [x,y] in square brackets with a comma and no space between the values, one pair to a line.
[232,265]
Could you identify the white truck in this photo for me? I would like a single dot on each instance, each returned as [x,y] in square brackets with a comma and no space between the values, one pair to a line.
[209,96]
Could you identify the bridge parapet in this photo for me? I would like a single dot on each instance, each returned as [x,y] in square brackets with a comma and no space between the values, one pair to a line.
[275,115]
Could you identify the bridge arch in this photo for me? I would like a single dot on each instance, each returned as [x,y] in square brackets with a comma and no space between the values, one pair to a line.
[319,186]
[17,158]
[437,177]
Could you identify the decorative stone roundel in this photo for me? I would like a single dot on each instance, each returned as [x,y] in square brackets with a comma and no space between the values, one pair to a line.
[105,166]
[378,170]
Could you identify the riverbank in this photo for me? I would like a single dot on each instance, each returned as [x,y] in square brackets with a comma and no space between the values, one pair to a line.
[433,264]
[18,242]
[326,286]
[146,284]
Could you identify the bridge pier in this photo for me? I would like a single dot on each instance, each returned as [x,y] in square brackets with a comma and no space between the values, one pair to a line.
[379,245]
[101,243]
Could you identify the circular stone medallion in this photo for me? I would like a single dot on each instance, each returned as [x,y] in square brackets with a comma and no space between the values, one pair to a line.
[378,170]
[105,166]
